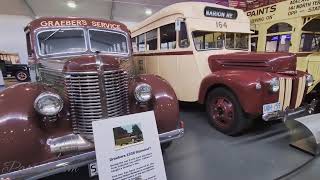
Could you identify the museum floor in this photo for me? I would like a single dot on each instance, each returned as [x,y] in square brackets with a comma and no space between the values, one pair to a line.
[206,154]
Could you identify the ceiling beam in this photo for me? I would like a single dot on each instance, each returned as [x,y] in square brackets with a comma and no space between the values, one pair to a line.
[30,8]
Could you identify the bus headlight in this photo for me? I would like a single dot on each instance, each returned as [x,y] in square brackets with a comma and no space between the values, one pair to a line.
[274,85]
[309,80]
[143,92]
[48,104]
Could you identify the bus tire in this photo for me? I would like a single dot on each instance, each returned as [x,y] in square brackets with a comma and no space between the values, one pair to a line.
[225,112]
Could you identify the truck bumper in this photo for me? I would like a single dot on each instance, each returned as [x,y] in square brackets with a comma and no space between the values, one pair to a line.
[172,135]
[63,165]
[291,113]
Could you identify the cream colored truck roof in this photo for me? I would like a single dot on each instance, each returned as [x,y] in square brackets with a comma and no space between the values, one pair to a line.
[195,11]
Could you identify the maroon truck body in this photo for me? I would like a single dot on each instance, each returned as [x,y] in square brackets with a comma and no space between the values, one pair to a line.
[27,136]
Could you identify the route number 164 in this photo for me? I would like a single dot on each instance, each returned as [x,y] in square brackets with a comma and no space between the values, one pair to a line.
[221,25]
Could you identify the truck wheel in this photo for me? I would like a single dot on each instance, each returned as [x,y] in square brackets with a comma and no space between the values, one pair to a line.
[225,112]
[22,76]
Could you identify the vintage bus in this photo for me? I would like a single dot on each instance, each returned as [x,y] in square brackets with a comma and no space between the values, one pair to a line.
[289,26]
[202,50]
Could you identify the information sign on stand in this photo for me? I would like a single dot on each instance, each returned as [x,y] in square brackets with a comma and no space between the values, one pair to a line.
[128,147]
[2,87]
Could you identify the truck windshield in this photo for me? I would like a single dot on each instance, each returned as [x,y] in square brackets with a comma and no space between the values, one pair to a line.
[61,41]
[206,40]
[310,42]
[108,41]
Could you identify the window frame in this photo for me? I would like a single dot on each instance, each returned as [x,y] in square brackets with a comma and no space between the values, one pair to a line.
[145,42]
[157,36]
[62,53]
[235,43]
[176,39]
[179,39]
[106,52]
[223,41]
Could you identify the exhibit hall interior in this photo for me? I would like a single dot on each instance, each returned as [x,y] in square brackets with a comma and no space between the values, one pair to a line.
[159,89]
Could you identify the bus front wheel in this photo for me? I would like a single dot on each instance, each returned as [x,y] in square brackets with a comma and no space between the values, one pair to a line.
[225,112]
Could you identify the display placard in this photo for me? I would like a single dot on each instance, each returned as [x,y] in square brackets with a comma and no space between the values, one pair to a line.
[1,81]
[128,147]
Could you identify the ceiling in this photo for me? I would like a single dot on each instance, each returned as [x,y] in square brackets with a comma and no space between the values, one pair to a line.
[128,11]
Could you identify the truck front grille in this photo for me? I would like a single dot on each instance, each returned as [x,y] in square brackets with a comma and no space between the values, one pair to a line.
[86,95]
[291,92]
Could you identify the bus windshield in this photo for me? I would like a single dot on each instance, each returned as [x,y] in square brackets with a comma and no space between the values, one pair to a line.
[206,40]
[310,42]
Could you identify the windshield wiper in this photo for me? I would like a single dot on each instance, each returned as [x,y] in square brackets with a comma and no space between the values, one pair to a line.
[53,33]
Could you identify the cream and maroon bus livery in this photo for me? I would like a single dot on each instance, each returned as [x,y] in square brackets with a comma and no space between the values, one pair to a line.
[290,26]
[202,50]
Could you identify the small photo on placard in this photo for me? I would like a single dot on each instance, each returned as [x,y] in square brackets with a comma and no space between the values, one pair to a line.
[127,136]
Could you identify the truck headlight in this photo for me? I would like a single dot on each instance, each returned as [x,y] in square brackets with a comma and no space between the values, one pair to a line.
[274,85]
[48,104]
[143,92]
[309,80]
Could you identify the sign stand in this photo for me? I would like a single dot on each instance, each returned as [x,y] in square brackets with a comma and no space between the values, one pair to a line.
[128,147]
[2,87]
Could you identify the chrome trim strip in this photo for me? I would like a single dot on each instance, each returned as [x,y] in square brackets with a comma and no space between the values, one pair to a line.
[281,92]
[288,91]
[301,89]
[102,89]
[72,162]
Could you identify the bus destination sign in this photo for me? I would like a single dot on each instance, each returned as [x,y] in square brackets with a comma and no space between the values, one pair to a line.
[220,13]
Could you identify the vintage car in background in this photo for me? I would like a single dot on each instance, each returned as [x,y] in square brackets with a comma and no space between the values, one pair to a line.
[19,71]
[278,27]
[202,50]
[82,72]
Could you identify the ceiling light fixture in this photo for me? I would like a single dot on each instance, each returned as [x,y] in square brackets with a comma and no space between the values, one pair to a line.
[72,4]
[148,12]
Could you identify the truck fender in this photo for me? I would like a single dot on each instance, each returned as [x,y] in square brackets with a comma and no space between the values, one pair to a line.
[243,84]
[164,102]
[21,135]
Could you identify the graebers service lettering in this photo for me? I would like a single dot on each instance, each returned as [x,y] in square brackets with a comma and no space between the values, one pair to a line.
[80,22]
[220,13]
[284,10]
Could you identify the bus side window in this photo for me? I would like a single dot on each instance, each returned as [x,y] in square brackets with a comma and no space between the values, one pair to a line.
[152,39]
[141,43]
[183,36]
[168,36]
[134,44]
[279,37]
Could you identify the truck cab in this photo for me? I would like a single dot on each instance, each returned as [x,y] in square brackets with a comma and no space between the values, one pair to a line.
[82,72]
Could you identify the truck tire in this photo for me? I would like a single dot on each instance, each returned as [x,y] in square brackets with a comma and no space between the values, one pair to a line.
[225,112]
[22,76]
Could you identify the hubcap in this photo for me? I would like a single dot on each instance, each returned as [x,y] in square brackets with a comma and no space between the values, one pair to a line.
[222,111]
[22,76]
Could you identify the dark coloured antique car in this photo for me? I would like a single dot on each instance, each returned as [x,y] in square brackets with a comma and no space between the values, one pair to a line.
[19,71]
[81,73]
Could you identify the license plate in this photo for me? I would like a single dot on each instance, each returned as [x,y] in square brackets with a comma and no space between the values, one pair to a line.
[93,169]
[268,108]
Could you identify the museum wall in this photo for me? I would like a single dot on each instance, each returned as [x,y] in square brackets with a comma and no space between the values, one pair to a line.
[12,37]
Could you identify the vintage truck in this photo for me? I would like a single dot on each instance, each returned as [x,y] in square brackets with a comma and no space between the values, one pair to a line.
[19,71]
[202,50]
[82,73]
